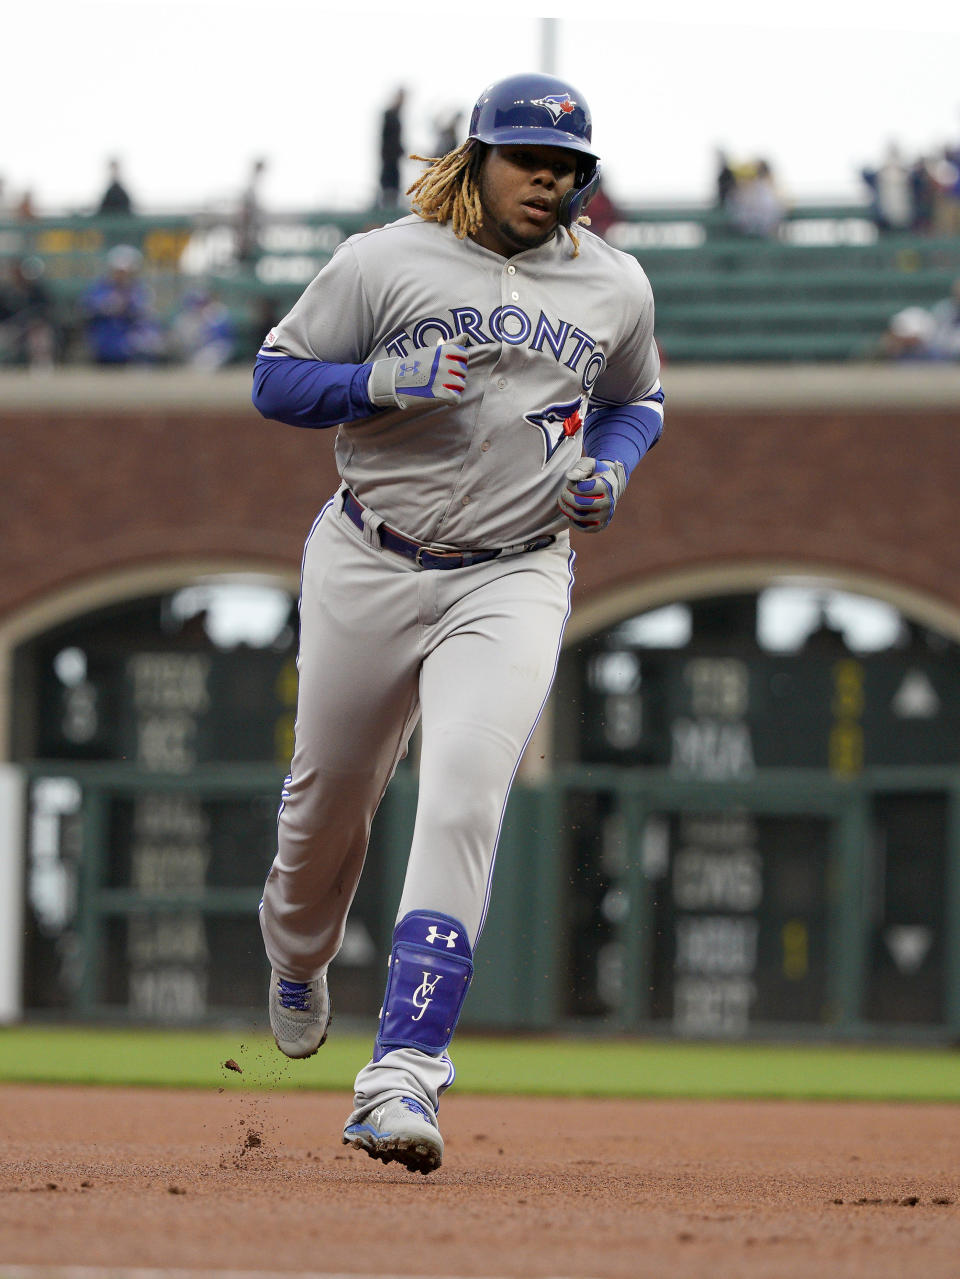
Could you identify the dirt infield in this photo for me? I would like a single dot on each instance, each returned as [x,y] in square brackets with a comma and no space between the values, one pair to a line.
[260,1183]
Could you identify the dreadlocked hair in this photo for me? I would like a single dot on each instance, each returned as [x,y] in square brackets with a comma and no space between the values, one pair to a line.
[449,191]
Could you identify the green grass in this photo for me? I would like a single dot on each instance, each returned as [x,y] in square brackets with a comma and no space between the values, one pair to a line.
[571,1067]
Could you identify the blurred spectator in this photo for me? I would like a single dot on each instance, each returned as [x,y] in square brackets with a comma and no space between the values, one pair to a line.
[391,152]
[923,191]
[907,335]
[891,191]
[27,335]
[24,210]
[202,334]
[726,180]
[945,338]
[945,174]
[602,212]
[447,134]
[121,325]
[115,198]
[266,310]
[250,214]
[6,211]
[916,333]
[755,204]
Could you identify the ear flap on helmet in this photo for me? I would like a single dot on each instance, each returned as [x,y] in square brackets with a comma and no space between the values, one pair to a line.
[575,202]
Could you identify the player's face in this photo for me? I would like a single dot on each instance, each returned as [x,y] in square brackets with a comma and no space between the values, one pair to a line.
[520,190]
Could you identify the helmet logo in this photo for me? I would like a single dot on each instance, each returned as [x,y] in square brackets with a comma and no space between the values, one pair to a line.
[557,104]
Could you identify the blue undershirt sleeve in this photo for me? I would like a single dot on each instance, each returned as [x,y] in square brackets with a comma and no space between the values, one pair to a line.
[622,433]
[310,392]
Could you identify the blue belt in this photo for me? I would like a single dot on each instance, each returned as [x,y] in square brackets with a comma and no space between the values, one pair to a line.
[427,556]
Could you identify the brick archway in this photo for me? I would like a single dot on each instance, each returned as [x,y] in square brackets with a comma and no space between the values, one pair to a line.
[605,608]
[848,474]
[113,586]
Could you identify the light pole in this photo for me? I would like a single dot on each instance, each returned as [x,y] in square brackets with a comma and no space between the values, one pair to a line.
[549,28]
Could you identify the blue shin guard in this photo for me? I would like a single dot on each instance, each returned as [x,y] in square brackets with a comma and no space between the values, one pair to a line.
[431,965]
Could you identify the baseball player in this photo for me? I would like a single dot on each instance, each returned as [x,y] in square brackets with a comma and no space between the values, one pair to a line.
[491,369]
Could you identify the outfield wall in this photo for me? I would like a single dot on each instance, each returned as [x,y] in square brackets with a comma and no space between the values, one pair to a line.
[118,487]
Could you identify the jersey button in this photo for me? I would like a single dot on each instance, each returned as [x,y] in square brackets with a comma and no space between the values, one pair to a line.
[466,499]
[502,383]
[511,270]
[484,446]
[515,296]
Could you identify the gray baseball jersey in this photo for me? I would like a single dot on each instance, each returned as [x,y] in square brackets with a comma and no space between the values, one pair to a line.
[549,334]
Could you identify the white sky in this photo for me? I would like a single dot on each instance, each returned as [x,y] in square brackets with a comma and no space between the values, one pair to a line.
[187,92]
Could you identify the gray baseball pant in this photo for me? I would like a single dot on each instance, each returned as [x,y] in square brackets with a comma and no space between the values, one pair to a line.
[472,653]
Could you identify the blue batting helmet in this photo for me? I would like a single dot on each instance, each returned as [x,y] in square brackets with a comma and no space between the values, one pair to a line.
[542,111]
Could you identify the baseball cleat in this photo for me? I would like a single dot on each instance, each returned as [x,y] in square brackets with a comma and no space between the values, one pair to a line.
[399,1131]
[300,1014]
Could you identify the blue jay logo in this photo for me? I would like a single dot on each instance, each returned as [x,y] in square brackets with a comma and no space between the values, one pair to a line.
[557,104]
[557,422]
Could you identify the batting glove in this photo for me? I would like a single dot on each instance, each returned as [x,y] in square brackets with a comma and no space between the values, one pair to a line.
[591,493]
[438,374]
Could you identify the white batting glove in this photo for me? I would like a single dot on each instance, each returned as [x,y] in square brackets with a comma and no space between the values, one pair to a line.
[438,373]
[591,493]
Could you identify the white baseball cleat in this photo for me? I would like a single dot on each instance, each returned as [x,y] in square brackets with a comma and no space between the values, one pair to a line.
[399,1131]
[300,1014]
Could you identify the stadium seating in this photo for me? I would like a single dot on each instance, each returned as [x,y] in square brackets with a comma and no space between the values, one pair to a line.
[823,289]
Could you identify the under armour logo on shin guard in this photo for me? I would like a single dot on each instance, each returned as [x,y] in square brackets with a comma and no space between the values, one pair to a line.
[434,934]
